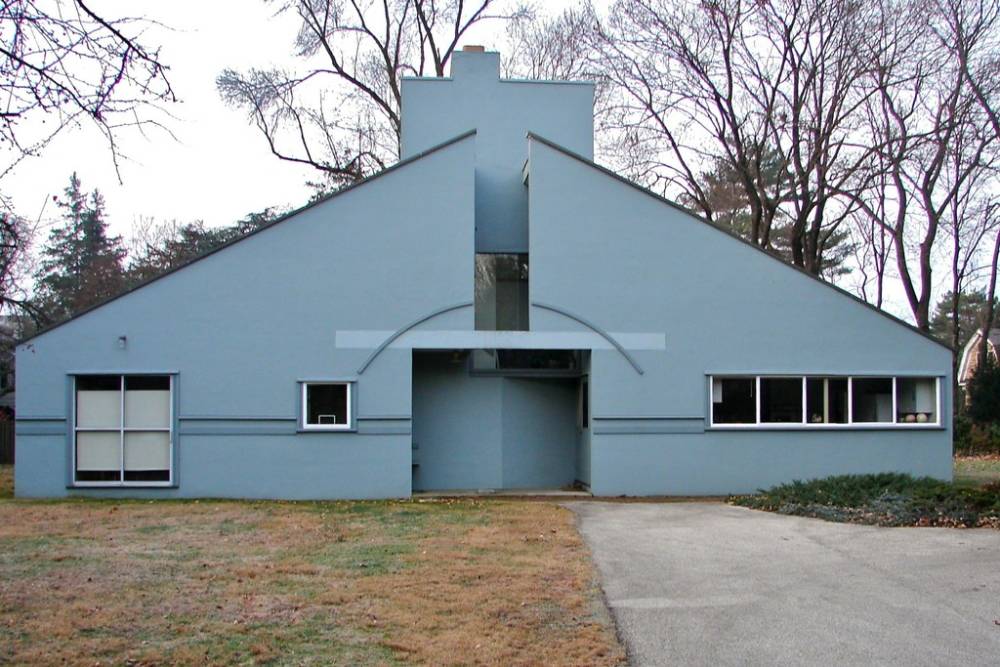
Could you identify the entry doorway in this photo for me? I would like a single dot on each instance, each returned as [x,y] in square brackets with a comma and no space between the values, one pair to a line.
[475,431]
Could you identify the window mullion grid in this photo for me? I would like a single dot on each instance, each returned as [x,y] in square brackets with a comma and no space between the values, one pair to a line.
[305,407]
[895,411]
[348,416]
[170,431]
[937,401]
[711,401]
[75,431]
[804,420]
[850,400]
[757,396]
[121,430]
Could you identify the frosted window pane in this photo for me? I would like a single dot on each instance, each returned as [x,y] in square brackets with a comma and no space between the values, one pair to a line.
[147,409]
[97,450]
[98,409]
[147,451]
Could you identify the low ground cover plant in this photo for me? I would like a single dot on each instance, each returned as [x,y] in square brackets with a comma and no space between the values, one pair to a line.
[885,499]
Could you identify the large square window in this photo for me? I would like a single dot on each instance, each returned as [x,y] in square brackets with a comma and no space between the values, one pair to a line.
[501,292]
[123,426]
[326,405]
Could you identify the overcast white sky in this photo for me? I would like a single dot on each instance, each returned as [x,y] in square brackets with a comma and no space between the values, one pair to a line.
[219,168]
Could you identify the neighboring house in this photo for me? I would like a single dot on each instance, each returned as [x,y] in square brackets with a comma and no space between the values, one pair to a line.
[970,354]
[495,311]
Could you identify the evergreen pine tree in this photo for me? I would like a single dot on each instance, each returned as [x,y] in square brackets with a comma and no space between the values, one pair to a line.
[984,392]
[81,265]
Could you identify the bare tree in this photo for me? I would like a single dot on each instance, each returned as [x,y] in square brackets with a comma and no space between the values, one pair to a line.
[746,84]
[341,116]
[932,169]
[16,235]
[553,48]
[62,65]
[971,30]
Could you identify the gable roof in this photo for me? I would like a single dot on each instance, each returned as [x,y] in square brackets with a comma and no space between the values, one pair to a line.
[729,232]
[273,223]
[993,338]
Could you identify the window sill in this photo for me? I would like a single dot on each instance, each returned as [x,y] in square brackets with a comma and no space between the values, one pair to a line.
[130,485]
[825,427]
[326,431]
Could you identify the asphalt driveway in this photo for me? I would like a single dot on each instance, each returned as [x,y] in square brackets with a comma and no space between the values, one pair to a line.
[711,584]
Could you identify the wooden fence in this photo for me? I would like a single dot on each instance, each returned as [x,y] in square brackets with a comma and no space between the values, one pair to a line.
[6,442]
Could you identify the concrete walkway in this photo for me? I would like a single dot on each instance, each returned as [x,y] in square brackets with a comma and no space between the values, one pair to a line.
[710,584]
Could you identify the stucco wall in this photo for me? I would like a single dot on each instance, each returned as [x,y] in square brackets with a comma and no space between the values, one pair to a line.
[503,112]
[627,261]
[539,435]
[242,326]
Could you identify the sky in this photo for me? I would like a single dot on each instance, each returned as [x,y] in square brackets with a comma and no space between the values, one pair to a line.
[217,167]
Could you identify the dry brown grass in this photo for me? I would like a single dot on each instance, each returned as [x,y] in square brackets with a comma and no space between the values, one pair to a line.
[977,470]
[6,481]
[151,583]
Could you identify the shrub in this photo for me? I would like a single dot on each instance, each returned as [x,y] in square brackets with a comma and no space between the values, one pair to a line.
[890,499]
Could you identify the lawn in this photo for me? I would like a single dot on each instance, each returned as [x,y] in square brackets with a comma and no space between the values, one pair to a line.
[361,583]
[977,470]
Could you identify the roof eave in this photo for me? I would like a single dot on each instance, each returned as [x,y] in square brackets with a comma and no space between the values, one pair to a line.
[273,223]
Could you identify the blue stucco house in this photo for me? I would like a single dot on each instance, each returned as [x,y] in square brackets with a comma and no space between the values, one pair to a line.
[495,311]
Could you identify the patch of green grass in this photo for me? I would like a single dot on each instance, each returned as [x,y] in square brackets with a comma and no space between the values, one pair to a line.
[366,559]
[37,555]
[889,499]
[977,470]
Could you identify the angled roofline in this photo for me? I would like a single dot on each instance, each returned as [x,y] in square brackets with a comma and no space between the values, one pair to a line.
[974,340]
[322,200]
[728,232]
[560,82]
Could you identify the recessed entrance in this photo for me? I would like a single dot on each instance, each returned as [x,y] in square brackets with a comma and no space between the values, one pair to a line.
[480,430]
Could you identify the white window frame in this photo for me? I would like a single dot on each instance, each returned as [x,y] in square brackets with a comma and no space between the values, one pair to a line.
[122,430]
[303,417]
[895,416]
[780,424]
[805,424]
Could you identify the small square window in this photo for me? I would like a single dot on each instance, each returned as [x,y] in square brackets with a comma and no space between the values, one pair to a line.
[326,405]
